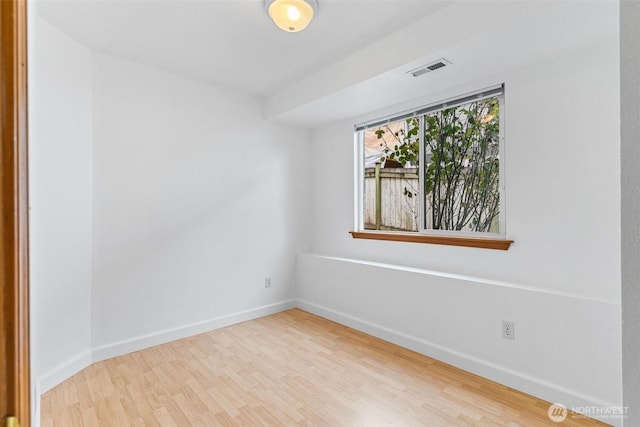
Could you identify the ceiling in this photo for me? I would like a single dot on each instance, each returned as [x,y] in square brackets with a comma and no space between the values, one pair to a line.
[483,40]
[230,42]
[353,58]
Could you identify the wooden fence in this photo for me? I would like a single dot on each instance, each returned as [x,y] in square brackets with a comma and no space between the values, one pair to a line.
[386,207]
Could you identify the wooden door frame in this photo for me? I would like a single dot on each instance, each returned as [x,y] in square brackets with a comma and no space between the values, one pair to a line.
[14,252]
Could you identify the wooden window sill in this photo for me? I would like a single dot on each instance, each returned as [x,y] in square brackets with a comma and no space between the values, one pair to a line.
[473,242]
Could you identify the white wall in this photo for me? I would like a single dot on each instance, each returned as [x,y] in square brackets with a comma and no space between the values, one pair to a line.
[630,179]
[60,169]
[159,205]
[196,200]
[560,281]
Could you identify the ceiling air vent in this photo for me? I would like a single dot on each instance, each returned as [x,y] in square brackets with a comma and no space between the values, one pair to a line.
[440,63]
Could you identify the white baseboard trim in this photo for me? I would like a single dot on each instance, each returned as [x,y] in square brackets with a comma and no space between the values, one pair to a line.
[35,403]
[59,374]
[528,384]
[162,337]
[517,380]
[66,370]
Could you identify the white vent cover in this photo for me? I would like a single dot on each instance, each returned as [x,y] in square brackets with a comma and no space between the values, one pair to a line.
[424,69]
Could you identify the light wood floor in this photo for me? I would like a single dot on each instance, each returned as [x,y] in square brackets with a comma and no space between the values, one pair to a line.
[292,368]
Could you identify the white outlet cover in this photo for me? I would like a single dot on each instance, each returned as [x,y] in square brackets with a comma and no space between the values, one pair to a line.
[508,329]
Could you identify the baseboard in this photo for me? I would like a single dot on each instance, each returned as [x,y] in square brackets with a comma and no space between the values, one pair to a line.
[517,380]
[36,394]
[66,370]
[534,386]
[162,337]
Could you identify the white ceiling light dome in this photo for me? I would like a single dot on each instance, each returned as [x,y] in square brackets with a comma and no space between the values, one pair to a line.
[292,15]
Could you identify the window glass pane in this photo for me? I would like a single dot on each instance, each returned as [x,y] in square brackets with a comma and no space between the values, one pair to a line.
[391,180]
[462,173]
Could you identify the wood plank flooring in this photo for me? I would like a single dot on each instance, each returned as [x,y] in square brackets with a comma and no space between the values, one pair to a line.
[288,369]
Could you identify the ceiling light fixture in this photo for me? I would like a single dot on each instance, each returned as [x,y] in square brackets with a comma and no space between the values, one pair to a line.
[291,15]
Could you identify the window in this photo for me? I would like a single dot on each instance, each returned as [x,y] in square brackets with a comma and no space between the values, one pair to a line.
[436,171]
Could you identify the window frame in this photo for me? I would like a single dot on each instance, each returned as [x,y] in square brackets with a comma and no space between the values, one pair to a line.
[490,240]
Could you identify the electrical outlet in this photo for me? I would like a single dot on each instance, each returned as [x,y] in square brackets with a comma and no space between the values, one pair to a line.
[509,329]
[267,282]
